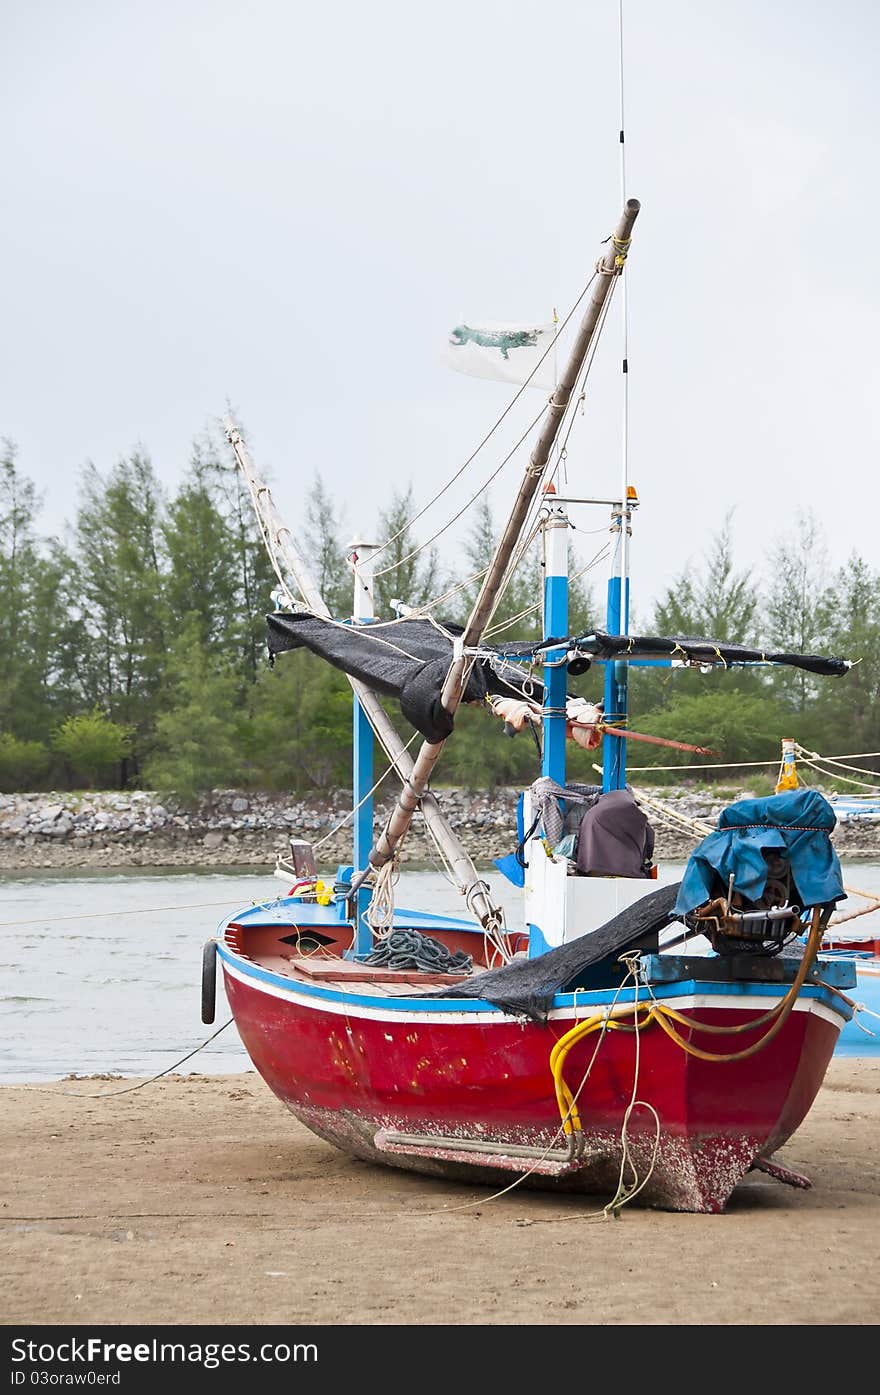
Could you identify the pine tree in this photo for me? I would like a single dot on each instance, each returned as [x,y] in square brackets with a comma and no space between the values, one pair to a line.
[716,602]
[713,601]
[35,676]
[846,718]
[517,614]
[321,544]
[198,738]
[202,577]
[403,571]
[796,606]
[120,596]
[299,732]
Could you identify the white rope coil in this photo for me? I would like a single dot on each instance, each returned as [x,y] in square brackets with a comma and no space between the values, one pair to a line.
[380,913]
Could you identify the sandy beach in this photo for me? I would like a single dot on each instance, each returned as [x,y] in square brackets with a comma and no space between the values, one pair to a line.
[200,1199]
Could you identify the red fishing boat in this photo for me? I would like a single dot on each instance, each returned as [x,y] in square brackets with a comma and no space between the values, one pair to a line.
[458,1087]
[631,1038]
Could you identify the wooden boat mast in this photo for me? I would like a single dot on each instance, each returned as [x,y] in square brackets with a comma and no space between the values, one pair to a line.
[279,543]
[414,790]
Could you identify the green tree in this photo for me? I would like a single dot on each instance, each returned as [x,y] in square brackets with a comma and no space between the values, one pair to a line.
[796,606]
[518,614]
[518,596]
[403,571]
[198,738]
[738,726]
[36,676]
[320,541]
[299,732]
[256,579]
[120,596]
[712,601]
[92,744]
[480,755]
[847,715]
[18,567]
[202,570]
[23,764]
[715,602]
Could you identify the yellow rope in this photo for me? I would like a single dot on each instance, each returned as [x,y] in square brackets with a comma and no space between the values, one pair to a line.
[664,1016]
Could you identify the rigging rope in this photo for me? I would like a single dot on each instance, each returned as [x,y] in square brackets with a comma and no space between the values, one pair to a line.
[569,415]
[664,1016]
[350,815]
[808,757]
[392,566]
[380,912]
[813,757]
[107,1094]
[550,347]
[594,561]
[672,815]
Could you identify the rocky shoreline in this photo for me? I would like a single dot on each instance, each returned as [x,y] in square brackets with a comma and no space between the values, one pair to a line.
[232,827]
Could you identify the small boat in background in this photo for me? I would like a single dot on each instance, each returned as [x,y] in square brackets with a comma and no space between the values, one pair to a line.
[856,808]
[844,939]
[635,1037]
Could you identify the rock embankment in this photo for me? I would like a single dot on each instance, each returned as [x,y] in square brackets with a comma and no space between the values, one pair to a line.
[232,827]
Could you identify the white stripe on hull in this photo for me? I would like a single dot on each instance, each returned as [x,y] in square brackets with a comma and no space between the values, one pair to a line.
[352,1007]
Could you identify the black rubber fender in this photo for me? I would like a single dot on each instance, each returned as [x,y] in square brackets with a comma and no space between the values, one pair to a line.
[209,981]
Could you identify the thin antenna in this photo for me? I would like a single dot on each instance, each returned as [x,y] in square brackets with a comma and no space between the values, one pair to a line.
[623,626]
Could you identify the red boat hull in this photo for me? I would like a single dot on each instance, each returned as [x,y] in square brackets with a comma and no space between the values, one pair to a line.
[467,1085]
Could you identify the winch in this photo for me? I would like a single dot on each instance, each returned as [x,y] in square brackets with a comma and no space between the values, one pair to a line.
[735,925]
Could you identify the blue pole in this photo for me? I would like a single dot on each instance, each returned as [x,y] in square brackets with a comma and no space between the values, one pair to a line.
[362,763]
[362,752]
[616,673]
[555,624]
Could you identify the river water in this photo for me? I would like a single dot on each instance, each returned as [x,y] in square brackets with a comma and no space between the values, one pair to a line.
[101,972]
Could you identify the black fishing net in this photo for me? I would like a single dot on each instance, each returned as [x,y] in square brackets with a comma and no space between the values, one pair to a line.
[409,659]
[526,987]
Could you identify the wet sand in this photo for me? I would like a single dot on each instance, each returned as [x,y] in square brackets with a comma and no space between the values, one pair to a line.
[202,1200]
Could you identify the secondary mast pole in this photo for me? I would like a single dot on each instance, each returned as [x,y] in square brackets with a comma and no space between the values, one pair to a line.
[363,612]
[555,624]
[610,265]
[617,670]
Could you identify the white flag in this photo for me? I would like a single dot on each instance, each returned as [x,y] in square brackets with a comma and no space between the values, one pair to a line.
[508,353]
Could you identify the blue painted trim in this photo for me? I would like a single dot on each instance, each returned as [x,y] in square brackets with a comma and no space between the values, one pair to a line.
[597,997]
[289,910]
[555,679]
[616,688]
[309,913]
[362,768]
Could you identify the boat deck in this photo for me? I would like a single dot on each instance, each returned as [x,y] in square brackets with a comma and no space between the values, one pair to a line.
[349,974]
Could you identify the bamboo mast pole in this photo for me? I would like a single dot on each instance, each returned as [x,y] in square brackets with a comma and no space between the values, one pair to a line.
[610,265]
[278,537]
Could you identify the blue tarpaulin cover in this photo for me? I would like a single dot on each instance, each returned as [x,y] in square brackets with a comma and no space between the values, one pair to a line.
[799,821]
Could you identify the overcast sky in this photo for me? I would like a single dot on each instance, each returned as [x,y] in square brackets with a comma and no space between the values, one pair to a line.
[287,207]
